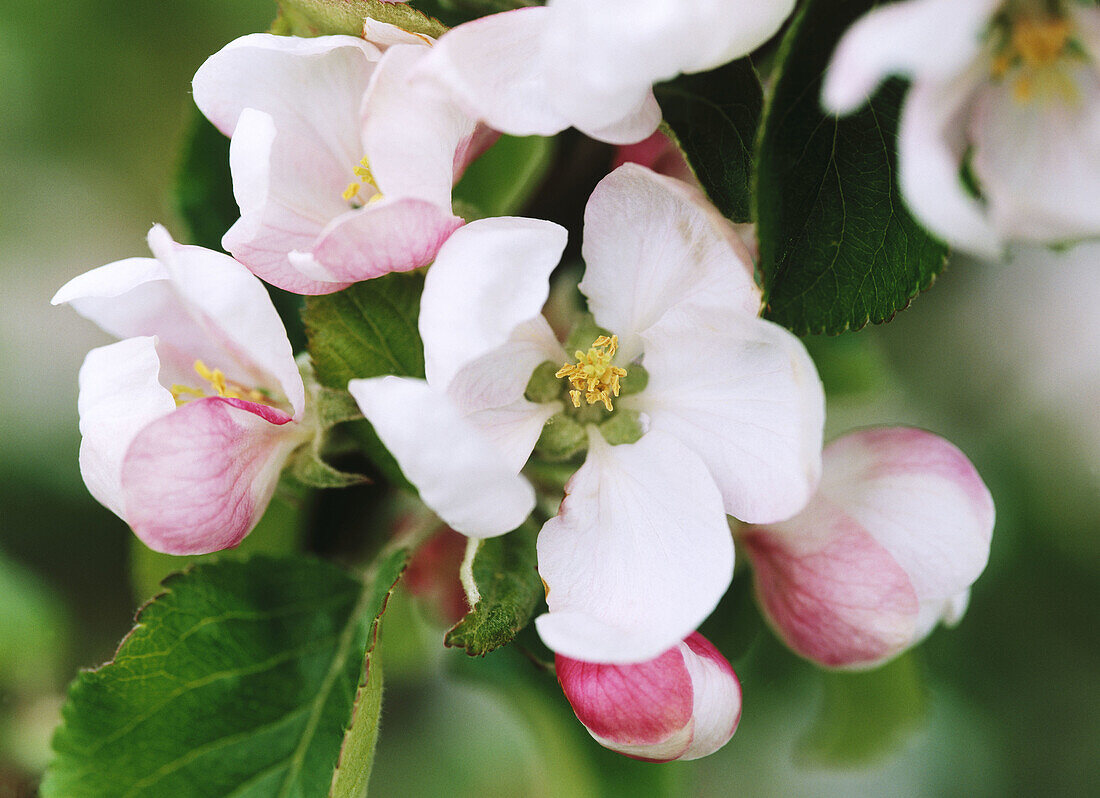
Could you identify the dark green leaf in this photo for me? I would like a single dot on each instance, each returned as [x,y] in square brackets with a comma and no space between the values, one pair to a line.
[509,589]
[714,117]
[242,679]
[864,716]
[204,199]
[324,17]
[367,330]
[837,246]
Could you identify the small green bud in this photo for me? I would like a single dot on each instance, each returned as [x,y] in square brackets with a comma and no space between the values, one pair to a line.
[561,438]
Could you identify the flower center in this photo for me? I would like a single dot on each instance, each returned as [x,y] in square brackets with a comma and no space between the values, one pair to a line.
[366,178]
[592,375]
[219,386]
[1034,51]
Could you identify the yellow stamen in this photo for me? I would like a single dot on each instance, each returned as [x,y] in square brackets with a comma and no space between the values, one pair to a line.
[593,376]
[1040,42]
[1034,53]
[219,385]
[366,178]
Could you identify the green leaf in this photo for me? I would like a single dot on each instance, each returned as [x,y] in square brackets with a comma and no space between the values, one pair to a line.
[838,249]
[368,330]
[241,680]
[714,116]
[204,198]
[324,17]
[508,591]
[501,181]
[866,715]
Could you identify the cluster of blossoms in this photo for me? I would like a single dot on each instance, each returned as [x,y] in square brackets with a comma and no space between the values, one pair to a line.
[697,424]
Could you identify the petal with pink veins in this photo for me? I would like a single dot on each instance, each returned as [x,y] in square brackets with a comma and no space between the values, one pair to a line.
[199,479]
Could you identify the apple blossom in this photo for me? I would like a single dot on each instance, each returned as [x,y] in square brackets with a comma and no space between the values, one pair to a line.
[725,414]
[341,167]
[683,704]
[187,422]
[591,64]
[1007,90]
[899,530]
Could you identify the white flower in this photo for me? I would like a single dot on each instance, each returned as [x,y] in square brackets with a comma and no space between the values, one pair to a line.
[732,414]
[1010,89]
[591,64]
[187,422]
[342,168]
[897,533]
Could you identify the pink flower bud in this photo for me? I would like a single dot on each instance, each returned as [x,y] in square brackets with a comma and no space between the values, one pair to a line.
[889,546]
[685,704]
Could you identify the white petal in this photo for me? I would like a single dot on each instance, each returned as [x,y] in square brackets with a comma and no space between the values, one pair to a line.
[514,429]
[1038,162]
[639,554]
[490,276]
[716,697]
[601,70]
[930,152]
[744,395]
[652,242]
[119,396]
[924,39]
[920,498]
[495,67]
[235,312]
[458,471]
[412,130]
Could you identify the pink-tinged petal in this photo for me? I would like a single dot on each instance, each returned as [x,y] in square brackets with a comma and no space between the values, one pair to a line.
[415,134]
[495,67]
[638,555]
[459,472]
[898,531]
[236,315]
[390,235]
[119,395]
[930,40]
[921,499]
[384,35]
[490,277]
[1038,162]
[642,710]
[717,696]
[931,146]
[198,479]
[683,704]
[744,395]
[832,593]
[634,126]
[274,218]
[658,153]
[651,243]
[500,376]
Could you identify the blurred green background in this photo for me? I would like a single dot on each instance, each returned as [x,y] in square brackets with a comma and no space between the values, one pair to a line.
[1003,360]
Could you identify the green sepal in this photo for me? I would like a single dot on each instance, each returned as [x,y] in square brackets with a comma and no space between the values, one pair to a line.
[838,249]
[504,588]
[561,438]
[545,385]
[621,427]
[635,381]
[325,17]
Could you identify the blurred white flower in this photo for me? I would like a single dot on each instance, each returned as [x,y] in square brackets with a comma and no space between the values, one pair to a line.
[1008,92]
